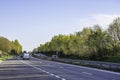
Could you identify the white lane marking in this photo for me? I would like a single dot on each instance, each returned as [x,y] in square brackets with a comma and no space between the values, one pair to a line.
[63,79]
[48,72]
[87,73]
[43,71]
[85,67]
[57,76]
[51,74]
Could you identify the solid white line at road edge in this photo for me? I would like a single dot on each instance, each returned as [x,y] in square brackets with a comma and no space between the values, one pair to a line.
[43,71]
[83,67]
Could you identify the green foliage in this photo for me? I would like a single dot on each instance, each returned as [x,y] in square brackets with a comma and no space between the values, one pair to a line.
[98,42]
[114,32]
[17,47]
[9,47]
[115,59]
[6,57]
[90,43]
[5,44]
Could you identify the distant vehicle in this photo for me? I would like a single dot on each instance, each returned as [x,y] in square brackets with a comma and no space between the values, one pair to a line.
[26,56]
[54,56]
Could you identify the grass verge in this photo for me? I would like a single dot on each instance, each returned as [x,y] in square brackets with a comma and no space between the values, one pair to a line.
[5,57]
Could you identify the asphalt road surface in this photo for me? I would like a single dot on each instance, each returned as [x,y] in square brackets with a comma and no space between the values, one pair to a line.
[36,69]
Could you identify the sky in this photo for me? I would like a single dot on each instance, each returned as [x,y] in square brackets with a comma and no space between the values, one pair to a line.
[34,22]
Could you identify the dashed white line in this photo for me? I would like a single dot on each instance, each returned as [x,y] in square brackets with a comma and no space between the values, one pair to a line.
[87,68]
[51,74]
[87,73]
[47,72]
[57,76]
[44,71]
[83,67]
[63,79]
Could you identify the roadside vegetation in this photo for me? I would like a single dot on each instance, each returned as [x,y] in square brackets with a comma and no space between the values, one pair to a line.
[6,57]
[92,43]
[8,48]
[114,59]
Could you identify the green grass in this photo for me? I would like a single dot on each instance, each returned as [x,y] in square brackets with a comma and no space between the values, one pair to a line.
[6,57]
[115,59]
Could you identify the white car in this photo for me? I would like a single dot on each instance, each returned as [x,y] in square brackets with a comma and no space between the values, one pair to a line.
[26,56]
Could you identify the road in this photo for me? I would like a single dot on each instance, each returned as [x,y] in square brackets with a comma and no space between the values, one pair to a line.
[37,69]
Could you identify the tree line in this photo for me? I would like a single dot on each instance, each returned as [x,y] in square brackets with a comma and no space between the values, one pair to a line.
[9,47]
[91,43]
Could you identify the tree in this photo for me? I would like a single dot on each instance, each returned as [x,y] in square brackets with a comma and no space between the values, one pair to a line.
[8,47]
[114,32]
[98,43]
[17,46]
[90,43]
[5,44]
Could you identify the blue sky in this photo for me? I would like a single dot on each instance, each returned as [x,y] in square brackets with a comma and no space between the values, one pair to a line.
[34,22]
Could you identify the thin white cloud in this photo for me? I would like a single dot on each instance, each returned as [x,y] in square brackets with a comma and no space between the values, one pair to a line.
[101,19]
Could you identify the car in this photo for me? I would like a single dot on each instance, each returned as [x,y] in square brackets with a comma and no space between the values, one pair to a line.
[54,56]
[26,56]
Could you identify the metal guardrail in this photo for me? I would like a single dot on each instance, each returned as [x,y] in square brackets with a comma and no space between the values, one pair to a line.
[98,64]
